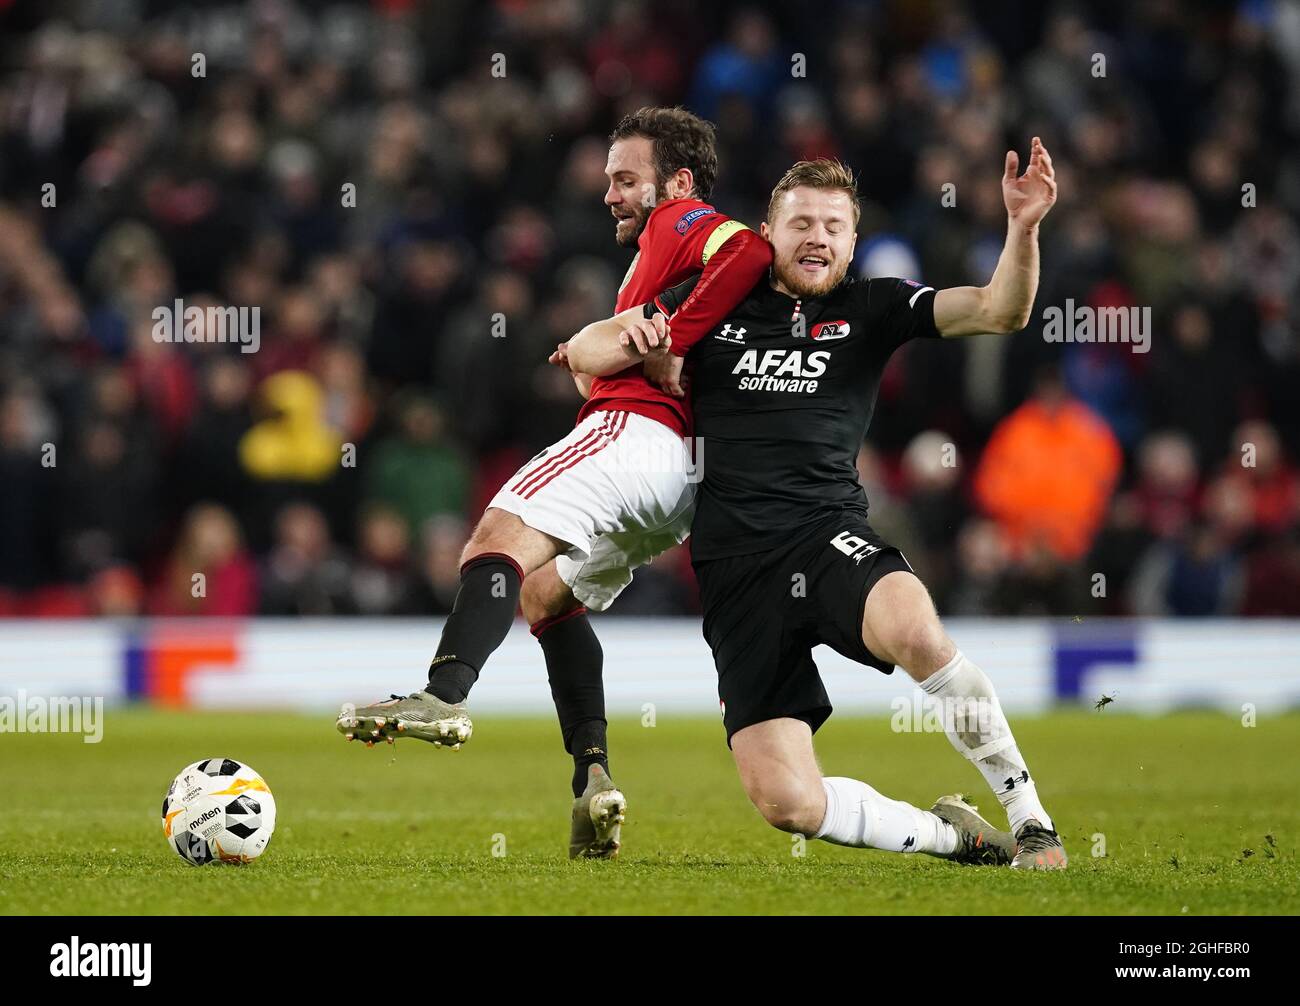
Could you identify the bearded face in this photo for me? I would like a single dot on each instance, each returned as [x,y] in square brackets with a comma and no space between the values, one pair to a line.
[813,233]
[634,189]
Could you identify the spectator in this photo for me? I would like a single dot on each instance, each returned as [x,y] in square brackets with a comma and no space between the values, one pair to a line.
[116,592]
[1272,580]
[1048,473]
[207,464]
[109,500]
[383,582]
[305,574]
[294,443]
[364,180]
[1193,577]
[209,572]
[416,472]
[1260,470]
[441,544]
[1166,491]
[1193,383]
[25,504]
[984,560]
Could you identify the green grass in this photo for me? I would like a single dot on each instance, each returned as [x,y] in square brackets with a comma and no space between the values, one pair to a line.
[409,829]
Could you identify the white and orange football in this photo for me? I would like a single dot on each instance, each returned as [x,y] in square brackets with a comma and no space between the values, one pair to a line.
[218,811]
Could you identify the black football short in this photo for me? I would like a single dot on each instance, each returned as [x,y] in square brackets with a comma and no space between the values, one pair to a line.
[764,612]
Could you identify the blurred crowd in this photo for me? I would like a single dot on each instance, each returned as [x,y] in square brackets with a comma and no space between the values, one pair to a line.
[412,195]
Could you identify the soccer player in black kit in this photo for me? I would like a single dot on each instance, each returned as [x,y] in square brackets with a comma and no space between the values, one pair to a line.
[786,559]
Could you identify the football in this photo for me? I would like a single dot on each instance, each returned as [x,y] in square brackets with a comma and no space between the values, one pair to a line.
[218,811]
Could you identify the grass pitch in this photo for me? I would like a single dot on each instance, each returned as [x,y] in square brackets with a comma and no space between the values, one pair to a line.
[1184,805]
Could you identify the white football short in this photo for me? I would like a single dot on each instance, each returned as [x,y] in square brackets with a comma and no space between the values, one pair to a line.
[619,489]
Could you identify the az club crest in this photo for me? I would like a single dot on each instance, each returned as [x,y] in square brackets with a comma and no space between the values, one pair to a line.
[825,331]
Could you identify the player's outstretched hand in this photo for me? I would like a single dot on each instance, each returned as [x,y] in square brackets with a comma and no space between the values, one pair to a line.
[646,337]
[1031,195]
[560,357]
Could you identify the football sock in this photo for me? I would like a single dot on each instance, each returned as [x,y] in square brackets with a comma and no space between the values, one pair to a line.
[479,621]
[857,815]
[974,723]
[587,745]
[574,662]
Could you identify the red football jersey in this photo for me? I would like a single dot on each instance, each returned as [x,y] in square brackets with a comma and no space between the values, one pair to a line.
[673,247]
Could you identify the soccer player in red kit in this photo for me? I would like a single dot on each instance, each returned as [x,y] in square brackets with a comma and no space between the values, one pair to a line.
[564,534]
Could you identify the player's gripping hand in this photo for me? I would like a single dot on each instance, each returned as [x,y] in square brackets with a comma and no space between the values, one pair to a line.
[649,339]
[1029,196]
[561,357]
[666,372]
[646,337]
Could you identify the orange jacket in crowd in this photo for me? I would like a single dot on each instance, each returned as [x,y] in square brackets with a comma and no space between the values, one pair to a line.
[1047,476]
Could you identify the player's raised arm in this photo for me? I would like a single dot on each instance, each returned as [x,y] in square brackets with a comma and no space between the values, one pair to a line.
[1004,305]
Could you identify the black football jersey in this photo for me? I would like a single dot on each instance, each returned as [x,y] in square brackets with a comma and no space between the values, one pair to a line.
[783,393]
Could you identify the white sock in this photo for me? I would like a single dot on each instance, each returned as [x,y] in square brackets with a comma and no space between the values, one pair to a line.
[857,815]
[973,720]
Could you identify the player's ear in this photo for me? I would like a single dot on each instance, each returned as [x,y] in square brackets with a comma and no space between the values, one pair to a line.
[765,232]
[681,184]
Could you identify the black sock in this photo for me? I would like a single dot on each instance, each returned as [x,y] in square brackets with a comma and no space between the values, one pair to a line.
[479,621]
[588,746]
[574,661]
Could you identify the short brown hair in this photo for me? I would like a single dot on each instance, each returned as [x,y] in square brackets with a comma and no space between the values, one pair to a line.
[823,173]
[678,139]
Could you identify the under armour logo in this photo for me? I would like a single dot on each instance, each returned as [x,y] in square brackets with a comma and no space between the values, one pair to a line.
[1012,780]
[911,841]
[729,334]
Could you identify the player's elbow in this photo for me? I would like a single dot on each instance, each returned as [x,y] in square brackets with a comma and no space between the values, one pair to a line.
[580,352]
[1003,319]
[1013,322]
[1017,319]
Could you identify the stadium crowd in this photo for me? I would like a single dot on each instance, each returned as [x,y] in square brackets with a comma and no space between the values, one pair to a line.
[411,194]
